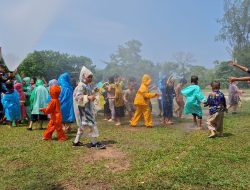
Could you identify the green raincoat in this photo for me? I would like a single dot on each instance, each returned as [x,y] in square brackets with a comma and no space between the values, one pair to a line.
[38,98]
[194,97]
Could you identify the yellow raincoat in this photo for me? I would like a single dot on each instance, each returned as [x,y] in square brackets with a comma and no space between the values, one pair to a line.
[142,101]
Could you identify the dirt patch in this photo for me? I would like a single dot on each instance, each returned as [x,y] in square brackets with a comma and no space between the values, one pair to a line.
[116,160]
[104,154]
[118,165]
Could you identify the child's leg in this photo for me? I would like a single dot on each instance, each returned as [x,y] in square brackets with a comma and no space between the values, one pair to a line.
[137,116]
[60,133]
[47,135]
[199,123]
[181,108]
[78,134]
[194,119]
[10,126]
[219,124]
[211,124]
[147,116]
[118,121]
[41,124]
[30,125]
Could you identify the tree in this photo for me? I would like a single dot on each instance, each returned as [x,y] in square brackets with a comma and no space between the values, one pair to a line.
[184,60]
[235,28]
[50,64]
[235,24]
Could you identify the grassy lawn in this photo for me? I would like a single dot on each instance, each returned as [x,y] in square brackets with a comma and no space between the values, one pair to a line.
[176,157]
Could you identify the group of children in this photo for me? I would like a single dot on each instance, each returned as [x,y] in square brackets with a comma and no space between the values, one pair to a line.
[32,100]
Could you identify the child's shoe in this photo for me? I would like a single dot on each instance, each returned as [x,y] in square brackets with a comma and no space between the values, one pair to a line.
[77,144]
[98,145]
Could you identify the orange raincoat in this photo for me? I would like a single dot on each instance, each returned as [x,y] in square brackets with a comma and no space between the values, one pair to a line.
[142,102]
[53,109]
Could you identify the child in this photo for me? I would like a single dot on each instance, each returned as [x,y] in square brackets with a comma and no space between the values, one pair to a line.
[27,91]
[38,99]
[83,108]
[129,97]
[11,104]
[234,96]
[194,97]
[167,101]
[66,101]
[54,110]
[142,103]
[179,98]
[22,98]
[106,110]
[119,102]
[217,106]
[111,97]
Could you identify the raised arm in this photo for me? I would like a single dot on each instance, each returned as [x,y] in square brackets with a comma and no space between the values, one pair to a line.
[238,66]
[233,79]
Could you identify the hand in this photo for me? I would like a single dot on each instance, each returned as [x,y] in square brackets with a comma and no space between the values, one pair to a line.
[157,95]
[2,94]
[231,79]
[232,63]
[41,109]
[91,98]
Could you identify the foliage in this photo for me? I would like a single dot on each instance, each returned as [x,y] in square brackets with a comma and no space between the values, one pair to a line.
[235,24]
[50,64]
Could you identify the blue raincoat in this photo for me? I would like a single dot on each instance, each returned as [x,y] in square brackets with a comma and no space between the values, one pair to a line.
[194,97]
[66,98]
[11,106]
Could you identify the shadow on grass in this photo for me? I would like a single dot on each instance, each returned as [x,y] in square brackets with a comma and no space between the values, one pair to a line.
[105,142]
[226,135]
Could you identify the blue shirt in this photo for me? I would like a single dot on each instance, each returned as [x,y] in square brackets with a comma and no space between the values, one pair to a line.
[216,102]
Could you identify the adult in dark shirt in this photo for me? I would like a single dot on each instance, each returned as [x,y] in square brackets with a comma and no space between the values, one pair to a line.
[243,68]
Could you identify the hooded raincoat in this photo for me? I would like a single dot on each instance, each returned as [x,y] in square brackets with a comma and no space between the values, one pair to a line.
[27,90]
[53,109]
[11,105]
[66,98]
[22,98]
[38,98]
[142,102]
[83,108]
[194,97]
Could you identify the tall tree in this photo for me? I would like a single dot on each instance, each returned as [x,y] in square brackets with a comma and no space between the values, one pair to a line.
[184,60]
[235,24]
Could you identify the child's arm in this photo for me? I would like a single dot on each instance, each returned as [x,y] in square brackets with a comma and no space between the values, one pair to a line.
[49,109]
[200,96]
[208,101]
[150,95]
[125,96]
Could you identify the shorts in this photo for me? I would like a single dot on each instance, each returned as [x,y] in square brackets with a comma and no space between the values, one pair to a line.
[38,117]
[195,115]
[119,111]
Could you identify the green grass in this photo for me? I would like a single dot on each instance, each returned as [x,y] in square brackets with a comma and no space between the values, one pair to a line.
[158,158]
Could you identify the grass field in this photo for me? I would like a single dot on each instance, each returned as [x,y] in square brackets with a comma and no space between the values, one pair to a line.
[176,157]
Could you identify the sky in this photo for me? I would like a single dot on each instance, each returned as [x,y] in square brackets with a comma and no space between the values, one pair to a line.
[95,28]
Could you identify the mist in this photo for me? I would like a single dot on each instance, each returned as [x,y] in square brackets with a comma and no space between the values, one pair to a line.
[22,25]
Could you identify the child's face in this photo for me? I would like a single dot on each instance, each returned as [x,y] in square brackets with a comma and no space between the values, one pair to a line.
[89,79]
[32,81]
[23,82]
